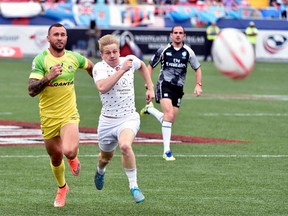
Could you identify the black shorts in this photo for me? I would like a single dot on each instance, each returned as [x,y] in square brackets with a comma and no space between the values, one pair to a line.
[167,90]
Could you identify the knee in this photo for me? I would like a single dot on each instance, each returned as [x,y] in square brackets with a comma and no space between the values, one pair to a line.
[105,159]
[71,153]
[125,148]
[169,116]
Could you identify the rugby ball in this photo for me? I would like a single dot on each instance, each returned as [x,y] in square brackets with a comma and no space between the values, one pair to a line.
[233,54]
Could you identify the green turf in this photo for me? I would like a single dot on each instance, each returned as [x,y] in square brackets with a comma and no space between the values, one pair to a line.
[206,179]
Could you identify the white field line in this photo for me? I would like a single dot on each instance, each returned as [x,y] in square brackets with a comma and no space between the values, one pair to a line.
[238,97]
[153,156]
[6,113]
[245,114]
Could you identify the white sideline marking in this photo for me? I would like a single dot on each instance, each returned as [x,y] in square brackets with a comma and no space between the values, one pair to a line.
[5,113]
[153,156]
[245,114]
[239,97]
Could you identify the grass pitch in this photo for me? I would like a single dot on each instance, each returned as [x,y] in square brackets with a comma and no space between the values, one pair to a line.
[206,179]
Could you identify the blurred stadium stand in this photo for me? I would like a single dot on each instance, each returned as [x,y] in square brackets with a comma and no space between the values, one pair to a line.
[148,23]
[191,14]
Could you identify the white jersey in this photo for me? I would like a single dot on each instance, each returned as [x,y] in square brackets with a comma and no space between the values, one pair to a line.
[120,100]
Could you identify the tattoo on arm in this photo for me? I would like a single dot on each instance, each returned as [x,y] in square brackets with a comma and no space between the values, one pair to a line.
[35,86]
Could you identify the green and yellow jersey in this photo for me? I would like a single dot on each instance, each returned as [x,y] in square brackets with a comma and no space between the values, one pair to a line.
[58,99]
[251,33]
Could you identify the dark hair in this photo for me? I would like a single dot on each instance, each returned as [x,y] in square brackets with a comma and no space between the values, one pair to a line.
[177,26]
[55,25]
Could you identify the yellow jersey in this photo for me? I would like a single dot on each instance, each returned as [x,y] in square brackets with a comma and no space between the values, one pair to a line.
[212,32]
[251,33]
[58,99]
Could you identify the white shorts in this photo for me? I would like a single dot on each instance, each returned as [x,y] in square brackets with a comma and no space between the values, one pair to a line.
[109,130]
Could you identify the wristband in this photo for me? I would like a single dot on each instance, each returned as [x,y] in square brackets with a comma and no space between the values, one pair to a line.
[199,83]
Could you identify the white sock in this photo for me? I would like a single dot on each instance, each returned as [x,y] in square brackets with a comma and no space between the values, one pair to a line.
[166,135]
[100,171]
[155,112]
[132,177]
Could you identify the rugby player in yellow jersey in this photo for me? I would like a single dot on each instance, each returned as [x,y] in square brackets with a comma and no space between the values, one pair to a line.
[52,78]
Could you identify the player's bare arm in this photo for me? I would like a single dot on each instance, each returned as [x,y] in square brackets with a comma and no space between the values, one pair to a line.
[150,94]
[89,69]
[107,84]
[35,86]
[150,69]
[198,87]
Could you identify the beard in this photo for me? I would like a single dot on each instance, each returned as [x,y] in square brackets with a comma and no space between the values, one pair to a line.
[58,47]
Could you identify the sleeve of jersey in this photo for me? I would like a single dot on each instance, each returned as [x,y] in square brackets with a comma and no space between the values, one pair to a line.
[99,72]
[83,62]
[37,70]
[195,64]
[156,57]
[136,63]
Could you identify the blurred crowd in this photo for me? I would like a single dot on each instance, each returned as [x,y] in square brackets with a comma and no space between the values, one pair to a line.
[157,2]
[281,6]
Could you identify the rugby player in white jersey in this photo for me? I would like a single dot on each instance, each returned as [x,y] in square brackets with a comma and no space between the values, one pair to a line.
[118,122]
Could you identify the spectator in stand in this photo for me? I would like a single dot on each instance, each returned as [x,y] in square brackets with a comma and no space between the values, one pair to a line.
[200,2]
[283,9]
[218,3]
[127,2]
[230,3]
[208,2]
[169,2]
[53,1]
[211,33]
[275,3]
[192,1]
[213,2]
[14,1]
[86,2]
[244,3]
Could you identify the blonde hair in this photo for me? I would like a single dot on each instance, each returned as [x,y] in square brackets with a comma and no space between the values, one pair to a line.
[107,40]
